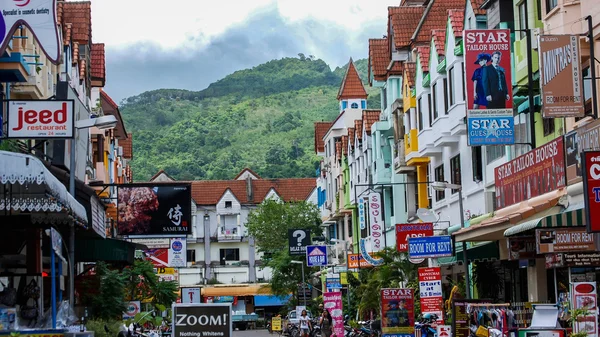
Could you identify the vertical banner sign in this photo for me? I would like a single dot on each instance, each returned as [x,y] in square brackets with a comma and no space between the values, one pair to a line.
[205,319]
[361,214]
[585,297]
[332,301]
[397,312]
[539,171]
[177,253]
[375,220]
[488,81]
[591,188]
[411,230]
[560,76]
[430,289]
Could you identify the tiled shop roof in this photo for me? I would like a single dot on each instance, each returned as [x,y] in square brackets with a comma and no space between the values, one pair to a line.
[321,129]
[379,58]
[79,14]
[405,21]
[410,68]
[476,4]
[439,40]
[98,62]
[436,17]
[369,117]
[352,86]
[423,52]
[457,20]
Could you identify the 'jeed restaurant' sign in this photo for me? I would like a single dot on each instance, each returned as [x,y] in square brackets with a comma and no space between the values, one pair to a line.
[539,171]
[40,119]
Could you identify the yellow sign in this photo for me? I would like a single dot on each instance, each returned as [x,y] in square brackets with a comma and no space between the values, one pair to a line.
[344,277]
[161,271]
[276,324]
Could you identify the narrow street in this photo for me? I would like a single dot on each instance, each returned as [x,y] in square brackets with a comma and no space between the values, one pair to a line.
[253,333]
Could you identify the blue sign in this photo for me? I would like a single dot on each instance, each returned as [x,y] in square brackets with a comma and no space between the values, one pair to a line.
[333,283]
[430,246]
[366,256]
[316,256]
[491,127]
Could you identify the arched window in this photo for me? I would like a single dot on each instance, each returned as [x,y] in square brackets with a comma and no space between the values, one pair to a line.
[354,105]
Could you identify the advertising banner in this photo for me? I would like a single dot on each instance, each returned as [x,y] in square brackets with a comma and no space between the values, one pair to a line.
[591,189]
[536,172]
[585,297]
[585,138]
[432,246]
[190,295]
[205,319]
[564,240]
[332,301]
[430,290]
[298,240]
[333,283]
[178,253]
[28,119]
[375,221]
[488,85]
[153,243]
[356,261]
[521,248]
[316,256]
[397,312]
[572,260]
[159,257]
[411,230]
[39,16]
[154,209]
[560,76]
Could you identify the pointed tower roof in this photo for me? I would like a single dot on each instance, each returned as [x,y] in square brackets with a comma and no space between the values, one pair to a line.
[352,86]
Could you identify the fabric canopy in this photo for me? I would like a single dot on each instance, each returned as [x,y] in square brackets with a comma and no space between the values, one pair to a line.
[270,300]
[571,216]
[243,290]
[485,251]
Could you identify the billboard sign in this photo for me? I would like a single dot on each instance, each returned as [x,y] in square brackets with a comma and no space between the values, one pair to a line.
[536,172]
[202,319]
[158,256]
[559,260]
[564,240]
[411,230]
[397,312]
[591,189]
[356,261]
[585,137]
[375,221]
[298,240]
[430,290]
[432,246]
[178,253]
[560,76]
[488,85]
[28,119]
[332,301]
[154,209]
[316,256]
[37,15]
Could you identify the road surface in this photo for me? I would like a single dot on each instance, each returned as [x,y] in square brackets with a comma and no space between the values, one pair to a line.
[254,333]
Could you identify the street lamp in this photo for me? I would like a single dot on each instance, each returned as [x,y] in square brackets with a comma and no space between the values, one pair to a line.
[442,186]
[303,283]
[102,123]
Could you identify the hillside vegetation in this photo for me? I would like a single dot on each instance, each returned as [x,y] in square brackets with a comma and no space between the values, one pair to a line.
[260,118]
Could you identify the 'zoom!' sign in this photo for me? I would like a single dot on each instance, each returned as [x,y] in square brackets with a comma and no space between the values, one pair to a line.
[40,119]
[202,319]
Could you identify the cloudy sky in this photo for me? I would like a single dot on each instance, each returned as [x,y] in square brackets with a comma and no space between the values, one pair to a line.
[189,44]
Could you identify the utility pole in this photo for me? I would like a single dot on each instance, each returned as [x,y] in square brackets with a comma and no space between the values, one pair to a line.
[530,91]
[590,36]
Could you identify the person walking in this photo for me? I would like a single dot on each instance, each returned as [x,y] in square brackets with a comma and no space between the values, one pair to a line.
[326,323]
[304,321]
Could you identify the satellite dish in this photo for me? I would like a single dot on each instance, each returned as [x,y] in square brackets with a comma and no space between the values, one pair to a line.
[416,260]
[427,215]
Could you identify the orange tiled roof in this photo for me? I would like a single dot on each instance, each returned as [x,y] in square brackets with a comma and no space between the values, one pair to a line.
[159,173]
[209,192]
[379,58]
[439,40]
[110,101]
[369,117]
[67,27]
[338,149]
[98,64]
[82,67]
[410,69]
[396,69]
[321,129]
[127,145]
[423,52]
[75,53]
[352,86]
[79,14]
[358,123]
[476,4]
[457,20]
[436,18]
[351,136]
[405,21]
[345,145]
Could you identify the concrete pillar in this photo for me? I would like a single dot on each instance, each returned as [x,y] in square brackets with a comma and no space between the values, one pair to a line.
[207,270]
[251,260]
[537,285]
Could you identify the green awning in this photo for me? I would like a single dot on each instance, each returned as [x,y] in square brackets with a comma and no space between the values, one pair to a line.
[108,250]
[572,216]
[483,251]
[524,107]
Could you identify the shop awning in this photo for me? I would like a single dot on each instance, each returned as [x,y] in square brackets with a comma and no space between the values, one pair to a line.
[482,251]
[108,250]
[571,216]
[245,290]
[270,300]
[33,188]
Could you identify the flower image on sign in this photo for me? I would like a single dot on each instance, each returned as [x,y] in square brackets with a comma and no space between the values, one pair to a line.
[375,209]
[591,183]
[397,312]
[40,119]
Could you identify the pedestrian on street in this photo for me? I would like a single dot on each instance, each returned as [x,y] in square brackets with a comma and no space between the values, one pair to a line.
[304,323]
[326,324]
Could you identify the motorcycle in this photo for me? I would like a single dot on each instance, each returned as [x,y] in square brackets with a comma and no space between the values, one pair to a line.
[427,326]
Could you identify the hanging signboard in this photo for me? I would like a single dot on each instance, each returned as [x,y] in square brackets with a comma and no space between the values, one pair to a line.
[433,246]
[298,240]
[490,127]
[530,175]
[430,290]
[397,312]
[564,240]
[560,76]
[178,253]
[375,221]
[591,189]
[356,261]
[411,230]
[585,297]
[316,256]
[206,319]
[29,119]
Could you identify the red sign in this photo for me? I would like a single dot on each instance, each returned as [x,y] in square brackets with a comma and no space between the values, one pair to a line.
[159,257]
[411,230]
[430,289]
[397,311]
[591,181]
[539,171]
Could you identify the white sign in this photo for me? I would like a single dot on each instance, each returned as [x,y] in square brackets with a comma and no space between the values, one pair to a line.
[444,331]
[190,295]
[56,241]
[133,308]
[585,297]
[177,253]
[376,224]
[39,16]
[153,243]
[40,119]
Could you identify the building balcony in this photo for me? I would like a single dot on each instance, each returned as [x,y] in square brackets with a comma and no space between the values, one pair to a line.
[229,234]
[400,166]
[13,68]
[33,87]
[446,139]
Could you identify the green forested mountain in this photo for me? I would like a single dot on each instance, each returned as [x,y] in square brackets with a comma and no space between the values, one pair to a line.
[260,118]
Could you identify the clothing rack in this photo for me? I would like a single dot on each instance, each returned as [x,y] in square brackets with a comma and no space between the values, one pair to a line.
[488,305]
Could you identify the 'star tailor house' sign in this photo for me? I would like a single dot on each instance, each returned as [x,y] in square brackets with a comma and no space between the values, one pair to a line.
[539,171]
[37,15]
[202,320]
[40,119]
[154,209]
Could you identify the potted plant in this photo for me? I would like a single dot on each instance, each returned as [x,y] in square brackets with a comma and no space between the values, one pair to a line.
[576,314]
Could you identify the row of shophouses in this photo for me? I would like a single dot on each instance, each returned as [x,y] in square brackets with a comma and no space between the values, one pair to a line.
[35,173]
[419,135]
